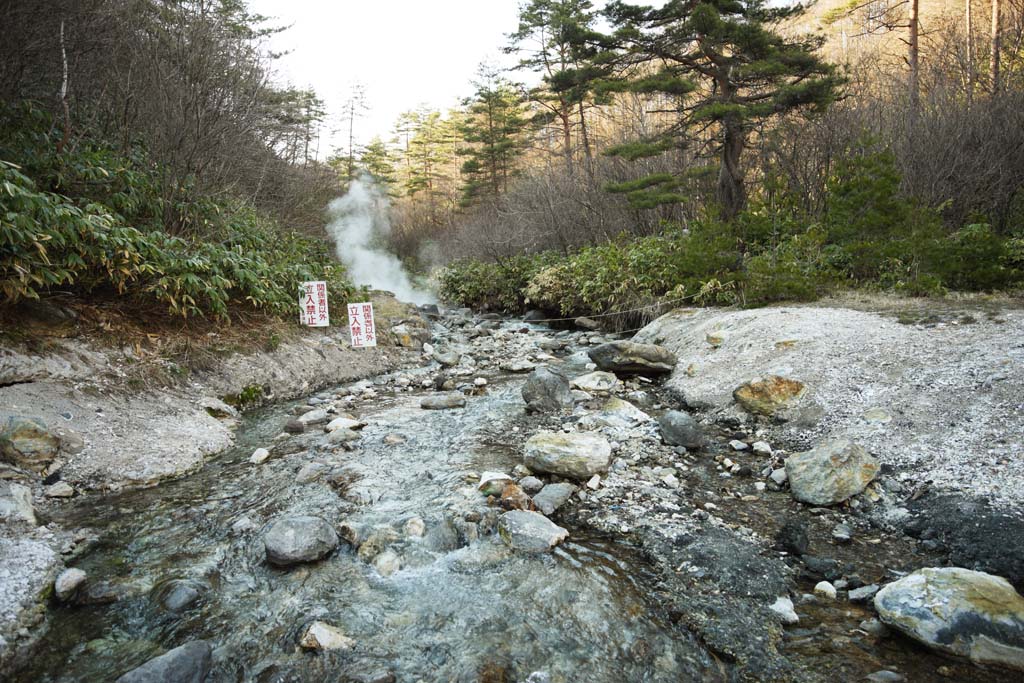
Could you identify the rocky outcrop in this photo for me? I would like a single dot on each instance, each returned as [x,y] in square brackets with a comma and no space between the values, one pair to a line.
[294,540]
[631,358]
[530,531]
[959,611]
[547,391]
[830,473]
[575,455]
[189,663]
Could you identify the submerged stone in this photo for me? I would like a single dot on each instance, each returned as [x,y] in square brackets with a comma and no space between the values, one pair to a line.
[303,538]
[189,663]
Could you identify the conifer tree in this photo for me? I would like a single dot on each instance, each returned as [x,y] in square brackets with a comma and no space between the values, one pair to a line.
[493,127]
[725,71]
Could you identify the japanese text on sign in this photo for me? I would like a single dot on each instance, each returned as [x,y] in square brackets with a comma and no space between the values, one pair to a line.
[313,304]
[360,324]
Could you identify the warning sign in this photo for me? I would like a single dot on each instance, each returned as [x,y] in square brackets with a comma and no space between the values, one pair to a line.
[313,304]
[360,324]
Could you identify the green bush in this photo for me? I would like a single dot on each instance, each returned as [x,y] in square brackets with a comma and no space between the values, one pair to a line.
[64,223]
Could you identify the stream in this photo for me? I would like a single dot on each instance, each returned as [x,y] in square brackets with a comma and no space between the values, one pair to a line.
[463,606]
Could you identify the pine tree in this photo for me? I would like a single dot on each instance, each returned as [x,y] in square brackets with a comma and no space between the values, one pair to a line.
[493,128]
[378,161]
[725,72]
[553,40]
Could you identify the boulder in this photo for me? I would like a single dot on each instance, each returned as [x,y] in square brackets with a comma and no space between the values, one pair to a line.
[830,473]
[959,611]
[681,429]
[16,503]
[595,382]
[575,455]
[60,489]
[625,357]
[387,563]
[339,436]
[444,401]
[27,443]
[769,396]
[344,423]
[259,456]
[531,484]
[530,531]
[517,365]
[553,496]
[314,417]
[447,358]
[323,636]
[547,391]
[302,538]
[585,323]
[514,498]
[189,663]
[67,583]
[178,595]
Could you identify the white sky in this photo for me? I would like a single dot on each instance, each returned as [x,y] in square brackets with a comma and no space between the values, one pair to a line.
[405,52]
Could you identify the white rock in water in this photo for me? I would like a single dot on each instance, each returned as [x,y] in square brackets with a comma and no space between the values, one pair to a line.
[68,582]
[322,636]
[576,455]
[959,611]
[314,417]
[342,436]
[480,382]
[259,456]
[783,607]
[779,476]
[530,531]
[762,448]
[344,423]
[825,590]
[594,483]
[387,563]
[415,527]
[738,445]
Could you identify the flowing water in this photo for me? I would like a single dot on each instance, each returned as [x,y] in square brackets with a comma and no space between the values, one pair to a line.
[456,611]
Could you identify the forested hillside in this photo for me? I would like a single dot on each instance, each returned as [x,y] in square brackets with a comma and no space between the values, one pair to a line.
[710,150]
[147,156]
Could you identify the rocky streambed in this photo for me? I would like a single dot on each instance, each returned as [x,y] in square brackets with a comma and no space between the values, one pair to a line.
[510,511]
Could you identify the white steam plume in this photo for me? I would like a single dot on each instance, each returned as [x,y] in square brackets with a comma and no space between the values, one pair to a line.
[358,222]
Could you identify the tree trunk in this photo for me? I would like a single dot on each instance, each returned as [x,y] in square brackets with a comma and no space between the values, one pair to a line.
[968,20]
[731,193]
[588,155]
[563,114]
[994,64]
[912,57]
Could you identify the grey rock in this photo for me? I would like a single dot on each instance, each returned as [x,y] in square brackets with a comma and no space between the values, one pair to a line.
[28,443]
[533,316]
[531,484]
[445,401]
[447,358]
[680,429]
[547,391]
[189,663]
[178,595]
[595,382]
[314,417]
[303,538]
[632,358]
[16,503]
[587,324]
[530,531]
[553,496]
[842,533]
[67,583]
[885,676]
[959,611]
[862,594]
[575,455]
[830,473]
